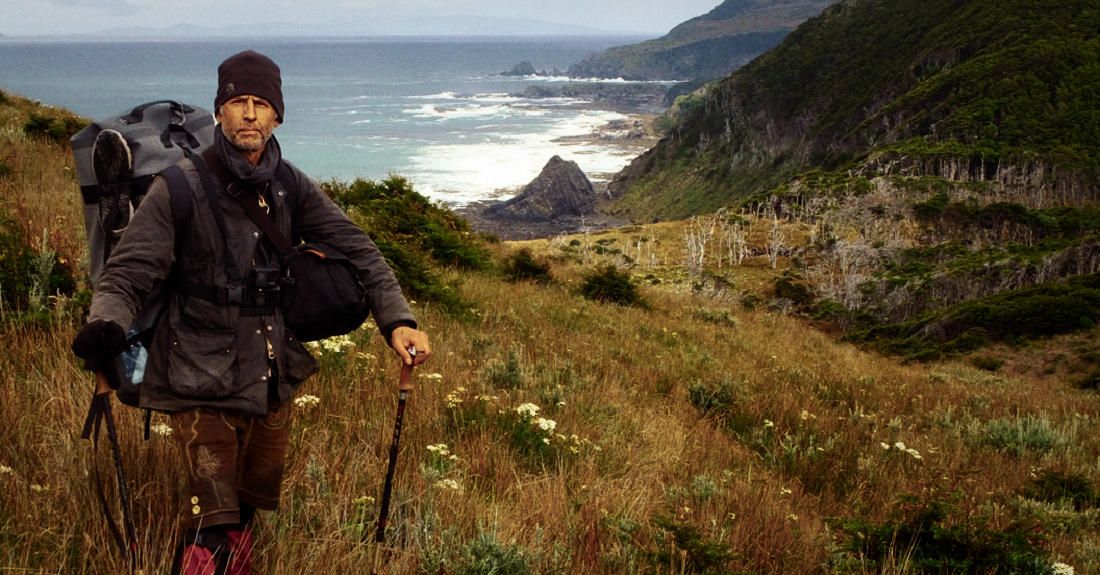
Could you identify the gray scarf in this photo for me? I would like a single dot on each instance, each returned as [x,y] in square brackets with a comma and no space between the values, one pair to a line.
[237,165]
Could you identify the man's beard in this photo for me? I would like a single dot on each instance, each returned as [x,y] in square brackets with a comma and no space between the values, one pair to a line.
[249,145]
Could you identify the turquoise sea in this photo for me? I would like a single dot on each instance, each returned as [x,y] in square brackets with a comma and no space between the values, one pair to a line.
[435,110]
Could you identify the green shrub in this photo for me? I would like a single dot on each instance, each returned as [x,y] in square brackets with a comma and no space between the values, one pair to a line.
[713,399]
[1055,486]
[28,276]
[1022,434]
[522,266]
[392,209]
[988,363]
[791,287]
[487,556]
[933,543]
[609,285]
[506,373]
[749,301]
[697,553]
[57,125]
[1090,381]
[720,316]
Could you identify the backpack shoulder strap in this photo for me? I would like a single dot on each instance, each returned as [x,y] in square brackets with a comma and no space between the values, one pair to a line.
[179,193]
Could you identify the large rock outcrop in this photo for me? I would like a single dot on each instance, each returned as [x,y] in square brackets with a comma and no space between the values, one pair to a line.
[561,190]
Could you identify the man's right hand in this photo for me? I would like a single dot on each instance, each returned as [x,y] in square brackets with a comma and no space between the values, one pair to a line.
[98,342]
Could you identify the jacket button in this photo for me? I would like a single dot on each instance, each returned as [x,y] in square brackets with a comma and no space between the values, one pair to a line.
[258,332]
[263,378]
[255,234]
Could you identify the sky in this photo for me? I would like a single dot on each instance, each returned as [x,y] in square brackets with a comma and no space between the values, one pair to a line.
[64,17]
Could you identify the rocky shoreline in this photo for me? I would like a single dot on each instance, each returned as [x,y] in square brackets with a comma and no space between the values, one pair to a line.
[634,133]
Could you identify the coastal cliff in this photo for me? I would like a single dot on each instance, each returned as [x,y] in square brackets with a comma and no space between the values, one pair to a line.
[997,93]
[707,47]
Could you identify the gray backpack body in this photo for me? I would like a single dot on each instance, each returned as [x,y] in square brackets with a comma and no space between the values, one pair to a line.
[158,134]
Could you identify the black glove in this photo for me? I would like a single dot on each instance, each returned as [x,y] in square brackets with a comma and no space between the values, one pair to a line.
[98,342]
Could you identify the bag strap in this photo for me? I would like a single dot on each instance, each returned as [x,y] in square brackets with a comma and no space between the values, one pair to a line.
[263,220]
[211,188]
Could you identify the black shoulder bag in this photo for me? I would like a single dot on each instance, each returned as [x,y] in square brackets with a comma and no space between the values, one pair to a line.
[319,289]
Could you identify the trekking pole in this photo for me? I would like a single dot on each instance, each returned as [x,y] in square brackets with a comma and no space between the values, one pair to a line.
[99,412]
[403,389]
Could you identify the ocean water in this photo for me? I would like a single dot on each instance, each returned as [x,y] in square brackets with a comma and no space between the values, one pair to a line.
[435,110]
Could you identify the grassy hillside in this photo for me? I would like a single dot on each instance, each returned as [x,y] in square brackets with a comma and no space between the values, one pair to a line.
[707,47]
[707,432]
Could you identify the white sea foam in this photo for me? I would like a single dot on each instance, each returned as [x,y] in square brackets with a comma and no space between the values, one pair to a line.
[449,112]
[440,96]
[496,163]
[538,78]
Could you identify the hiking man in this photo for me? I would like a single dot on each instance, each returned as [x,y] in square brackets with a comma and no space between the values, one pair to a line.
[226,372]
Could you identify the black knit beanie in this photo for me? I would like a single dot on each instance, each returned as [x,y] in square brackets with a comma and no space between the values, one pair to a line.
[250,73]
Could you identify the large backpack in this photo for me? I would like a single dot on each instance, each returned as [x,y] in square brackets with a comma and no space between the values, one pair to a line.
[116,160]
[158,134]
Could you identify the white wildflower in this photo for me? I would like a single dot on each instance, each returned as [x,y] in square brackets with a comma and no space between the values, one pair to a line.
[900,446]
[546,424]
[528,410]
[336,344]
[4,469]
[432,376]
[546,440]
[161,429]
[1061,569]
[885,446]
[448,484]
[914,453]
[439,449]
[307,401]
[769,423]
[39,488]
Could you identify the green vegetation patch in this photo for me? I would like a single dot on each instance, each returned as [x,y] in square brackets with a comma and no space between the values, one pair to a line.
[55,124]
[524,266]
[931,540]
[416,236]
[609,285]
[1042,310]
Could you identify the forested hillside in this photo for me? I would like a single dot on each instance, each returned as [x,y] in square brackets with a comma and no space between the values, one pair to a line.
[707,47]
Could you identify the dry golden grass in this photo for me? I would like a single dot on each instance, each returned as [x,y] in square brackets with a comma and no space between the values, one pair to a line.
[798,445]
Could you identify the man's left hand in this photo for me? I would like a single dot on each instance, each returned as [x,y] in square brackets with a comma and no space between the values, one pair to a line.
[405,337]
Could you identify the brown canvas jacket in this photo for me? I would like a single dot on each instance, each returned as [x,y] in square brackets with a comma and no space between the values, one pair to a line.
[209,355]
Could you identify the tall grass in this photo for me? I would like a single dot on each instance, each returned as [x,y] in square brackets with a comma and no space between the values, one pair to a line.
[679,444]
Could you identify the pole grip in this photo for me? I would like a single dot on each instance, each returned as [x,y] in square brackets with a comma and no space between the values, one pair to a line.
[405,383]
